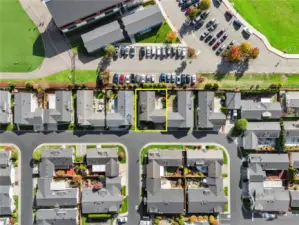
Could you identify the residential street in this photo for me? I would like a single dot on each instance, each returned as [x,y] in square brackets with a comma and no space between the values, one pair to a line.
[134,142]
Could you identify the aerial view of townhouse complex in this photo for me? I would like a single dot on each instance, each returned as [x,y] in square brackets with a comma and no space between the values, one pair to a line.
[149,112]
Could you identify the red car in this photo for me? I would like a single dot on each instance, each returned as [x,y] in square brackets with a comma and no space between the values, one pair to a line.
[122,78]
[215,46]
[187,11]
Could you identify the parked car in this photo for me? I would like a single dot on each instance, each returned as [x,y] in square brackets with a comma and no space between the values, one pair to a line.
[228,15]
[188,78]
[209,37]
[204,34]
[193,79]
[199,24]
[185,6]
[158,51]
[122,219]
[142,78]
[153,51]
[163,52]
[153,78]
[213,40]
[178,52]
[173,51]
[116,51]
[214,26]
[220,49]
[216,45]
[183,78]
[210,22]
[231,44]
[122,51]
[237,23]
[218,35]
[173,78]
[184,52]
[142,52]
[178,79]
[195,21]
[115,78]
[162,77]
[224,36]
[247,31]
[127,51]
[127,79]
[148,51]
[121,78]
[187,11]
[168,51]
[137,78]
[132,78]
[168,77]
[132,52]
[148,78]
[205,14]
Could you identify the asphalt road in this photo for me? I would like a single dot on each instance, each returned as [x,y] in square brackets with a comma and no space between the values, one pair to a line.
[134,142]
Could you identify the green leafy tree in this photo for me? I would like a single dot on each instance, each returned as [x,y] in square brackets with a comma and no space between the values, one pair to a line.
[109,51]
[281,141]
[193,12]
[205,4]
[241,124]
[36,155]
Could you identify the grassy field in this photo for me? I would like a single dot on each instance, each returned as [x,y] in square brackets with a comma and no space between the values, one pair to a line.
[253,80]
[20,42]
[277,20]
[156,35]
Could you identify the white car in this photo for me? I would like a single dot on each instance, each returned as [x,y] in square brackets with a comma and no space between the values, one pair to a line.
[127,79]
[123,219]
[247,31]
[142,79]
[193,78]
[153,78]
[148,51]
[153,50]
[158,51]
[184,52]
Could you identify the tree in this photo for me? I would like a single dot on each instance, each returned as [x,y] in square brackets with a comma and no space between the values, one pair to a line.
[12,85]
[121,155]
[208,86]
[215,86]
[171,36]
[215,222]
[36,155]
[281,141]
[60,173]
[254,53]
[200,218]
[205,218]
[109,50]
[193,12]
[14,154]
[190,52]
[98,186]
[205,4]
[234,53]
[12,220]
[246,47]
[193,219]
[241,124]
[77,179]
[211,218]
[29,85]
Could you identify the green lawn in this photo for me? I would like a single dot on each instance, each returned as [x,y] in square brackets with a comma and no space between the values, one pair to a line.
[124,207]
[226,191]
[248,81]
[65,76]
[21,44]
[277,20]
[156,35]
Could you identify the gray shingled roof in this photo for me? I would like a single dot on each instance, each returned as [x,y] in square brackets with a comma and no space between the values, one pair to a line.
[274,199]
[61,158]
[256,173]
[270,161]
[252,110]
[203,157]
[4,158]
[233,100]
[147,111]
[112,168]
[166,201]
[295,160]
[184,117]
[140,20]
[65,12]
[86,115]
[5,175]
[291,128]
[124,112]
[5,107]
[292,98]
[166,157]
[100,156]
[46,168]
[214,169]
[153,169]
[206,117]
[56,216]
[5,200]
[204,200]
[257,130]
[294,198]
[101,201]
[102,36]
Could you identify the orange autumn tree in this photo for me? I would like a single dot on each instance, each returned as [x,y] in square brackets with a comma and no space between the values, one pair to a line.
[171,36]
[235,53]
[193,219]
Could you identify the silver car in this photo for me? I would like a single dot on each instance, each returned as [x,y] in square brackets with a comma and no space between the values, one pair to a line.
[142,79]
[127,79]
[178,79]
[173,78]
[148,51]
[154,51]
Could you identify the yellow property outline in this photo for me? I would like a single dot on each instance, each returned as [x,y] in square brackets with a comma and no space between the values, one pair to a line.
[136,105]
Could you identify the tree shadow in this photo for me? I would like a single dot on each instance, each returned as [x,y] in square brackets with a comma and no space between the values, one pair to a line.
[185,29]
[225,67]
[181,68]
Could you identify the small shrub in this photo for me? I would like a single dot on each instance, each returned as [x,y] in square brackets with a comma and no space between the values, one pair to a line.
[60,173]
[70,86]
[29,85]
[208,86]
[12,85]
